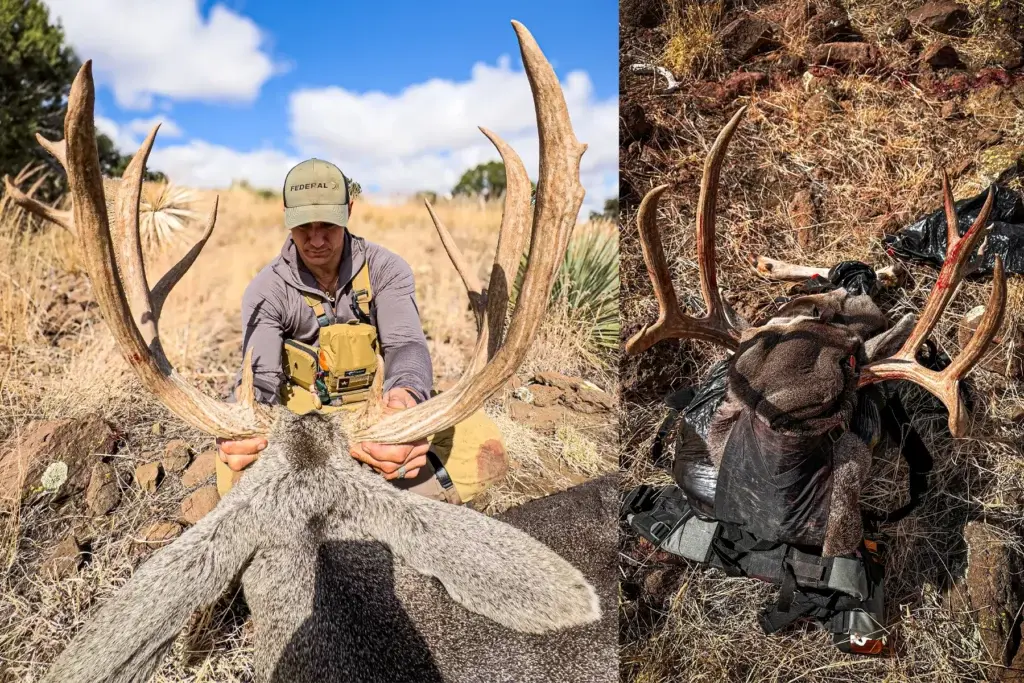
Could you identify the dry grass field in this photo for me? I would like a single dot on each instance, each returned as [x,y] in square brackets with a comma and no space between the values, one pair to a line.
[58,360]
[866,141]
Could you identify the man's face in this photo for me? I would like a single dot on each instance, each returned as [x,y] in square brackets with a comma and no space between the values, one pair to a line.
[319,244]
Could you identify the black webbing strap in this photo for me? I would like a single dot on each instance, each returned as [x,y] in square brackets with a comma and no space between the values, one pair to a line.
[439,471]
[676,402]
[913,450]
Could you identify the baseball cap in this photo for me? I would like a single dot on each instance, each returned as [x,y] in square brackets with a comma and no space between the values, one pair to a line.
[315,190]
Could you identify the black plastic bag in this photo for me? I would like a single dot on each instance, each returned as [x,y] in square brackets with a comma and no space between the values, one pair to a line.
[925,239]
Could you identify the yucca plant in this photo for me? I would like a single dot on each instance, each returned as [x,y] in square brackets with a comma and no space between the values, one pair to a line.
[163,213]
[588,286]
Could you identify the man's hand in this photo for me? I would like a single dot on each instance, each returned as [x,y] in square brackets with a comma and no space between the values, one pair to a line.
[386,459]
[238,455]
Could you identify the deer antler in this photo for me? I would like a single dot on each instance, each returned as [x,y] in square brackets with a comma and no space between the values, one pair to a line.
[559,196]
[32,205]
[903,364]
[720,325]
[113,261]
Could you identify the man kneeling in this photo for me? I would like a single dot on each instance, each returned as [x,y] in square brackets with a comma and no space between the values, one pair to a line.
[317,317]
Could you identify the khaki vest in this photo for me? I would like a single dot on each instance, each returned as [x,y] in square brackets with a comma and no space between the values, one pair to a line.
[339,370]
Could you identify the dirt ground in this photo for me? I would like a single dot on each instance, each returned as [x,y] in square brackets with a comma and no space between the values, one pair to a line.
[864,142]
[58,362]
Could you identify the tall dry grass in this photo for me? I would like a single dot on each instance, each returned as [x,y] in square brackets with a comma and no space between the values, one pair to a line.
[58,360]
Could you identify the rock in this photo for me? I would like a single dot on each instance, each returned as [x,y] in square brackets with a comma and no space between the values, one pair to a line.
[642,13]
[941,55]
[64,560]
[556,379]
[999,160]
[204,467]
[103,494]
[831,25]
[77,443]
[942,16]
[819,107]
[948,110]
[544,396]
[148,476]
[1006,354]
[595,398]
[991,589]
[899,30]
[987,137]
[1009,53]
[633,123]
[157,429]
[803,216]
[513,383]
[744,83]
[854,56]
[160,534]
[198,504]
[176,456]
[913,46]
[790,64]
[542,419]
[745,37]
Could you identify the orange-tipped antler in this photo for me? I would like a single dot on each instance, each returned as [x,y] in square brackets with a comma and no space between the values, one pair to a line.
[559,196]
[903,364]
[720,325]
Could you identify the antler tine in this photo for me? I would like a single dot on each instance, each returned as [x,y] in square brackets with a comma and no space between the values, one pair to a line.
[945,384]
[36,207]
[958,253]
[221,419]
[559,197]
[672,323]
[719,325]
[58,150]
[718,310]
[513,241]
[952,228]
[471,282]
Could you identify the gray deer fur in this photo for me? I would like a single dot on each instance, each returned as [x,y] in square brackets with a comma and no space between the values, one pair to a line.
[335,564]
[789,372]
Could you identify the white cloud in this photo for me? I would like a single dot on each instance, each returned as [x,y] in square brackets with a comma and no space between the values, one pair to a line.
[145,48]
[128,136]
[201,164]
[426,136]
[168,128]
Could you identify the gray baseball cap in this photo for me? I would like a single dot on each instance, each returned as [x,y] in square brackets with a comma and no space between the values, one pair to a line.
[315,191]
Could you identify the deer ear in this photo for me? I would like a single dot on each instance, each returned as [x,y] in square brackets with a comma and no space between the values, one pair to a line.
[130,634]
[487,566]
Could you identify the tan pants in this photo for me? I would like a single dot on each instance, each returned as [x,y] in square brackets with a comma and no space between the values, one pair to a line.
[471,453]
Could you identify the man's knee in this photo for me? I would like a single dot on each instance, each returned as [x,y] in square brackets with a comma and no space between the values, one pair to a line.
[473,455]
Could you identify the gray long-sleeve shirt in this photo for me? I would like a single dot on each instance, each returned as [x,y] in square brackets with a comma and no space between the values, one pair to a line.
[273,310]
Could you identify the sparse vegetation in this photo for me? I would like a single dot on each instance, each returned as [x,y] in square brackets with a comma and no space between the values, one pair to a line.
[587,288]
[691,47]
[58,360]
[867,144]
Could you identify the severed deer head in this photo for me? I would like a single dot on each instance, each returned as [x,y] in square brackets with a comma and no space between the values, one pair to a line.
[799,374]
[324,547]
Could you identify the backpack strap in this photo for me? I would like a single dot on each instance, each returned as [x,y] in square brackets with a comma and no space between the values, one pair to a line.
[362,294]
[321,309]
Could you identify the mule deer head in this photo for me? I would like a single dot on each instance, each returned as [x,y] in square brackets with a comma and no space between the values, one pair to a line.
[799,372]
[306,490]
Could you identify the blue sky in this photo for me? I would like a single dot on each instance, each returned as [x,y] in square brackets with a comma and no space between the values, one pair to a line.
[391,92]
